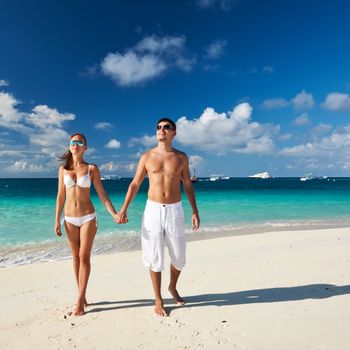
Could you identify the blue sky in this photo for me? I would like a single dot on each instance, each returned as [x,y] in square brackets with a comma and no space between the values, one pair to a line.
[252,85]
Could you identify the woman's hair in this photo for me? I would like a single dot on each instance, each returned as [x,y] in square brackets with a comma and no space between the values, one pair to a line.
[67,157]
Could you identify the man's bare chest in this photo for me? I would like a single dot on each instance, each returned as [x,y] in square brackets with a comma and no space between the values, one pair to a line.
[170,167]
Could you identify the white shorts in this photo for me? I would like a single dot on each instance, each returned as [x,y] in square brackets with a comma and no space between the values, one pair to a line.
[163,224]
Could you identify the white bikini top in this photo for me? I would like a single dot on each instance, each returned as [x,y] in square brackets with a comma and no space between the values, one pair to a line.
[82,181]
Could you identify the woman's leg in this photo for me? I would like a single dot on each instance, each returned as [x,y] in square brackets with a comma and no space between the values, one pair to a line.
[73,237]
[87,235]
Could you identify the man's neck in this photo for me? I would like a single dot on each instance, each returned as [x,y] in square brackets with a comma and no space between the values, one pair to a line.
[164,147]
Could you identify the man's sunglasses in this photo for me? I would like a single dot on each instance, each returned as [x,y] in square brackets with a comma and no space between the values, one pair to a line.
[165,127]
[76,142]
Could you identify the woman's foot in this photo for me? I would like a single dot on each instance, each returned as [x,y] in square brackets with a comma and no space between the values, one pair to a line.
[79,308]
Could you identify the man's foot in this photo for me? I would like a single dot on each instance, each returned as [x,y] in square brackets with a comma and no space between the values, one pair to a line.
[176,296]
[159,309]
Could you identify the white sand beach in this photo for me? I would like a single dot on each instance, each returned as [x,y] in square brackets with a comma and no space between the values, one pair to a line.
[278,290]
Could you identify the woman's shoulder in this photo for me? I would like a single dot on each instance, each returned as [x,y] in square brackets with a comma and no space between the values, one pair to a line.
[93,166]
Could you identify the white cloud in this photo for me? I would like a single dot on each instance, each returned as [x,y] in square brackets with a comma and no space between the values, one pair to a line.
[337,102]
[131,68]
[215,49]
[195,161]
[147,141]
[11,153]
[90,72]
[43,136]
[227,132]
[157,45]
[285,137]
[323,151]
[51,141]
[268,69]
[23,166]
[3,83]
[303,101]
[113,144]
[120,167]
[185,64]
[303,119]
[148,59]
[103,126]
[44,117]
[224,5]
[274,103]
[210,67]
[321,129]
[91,152]
[9,115]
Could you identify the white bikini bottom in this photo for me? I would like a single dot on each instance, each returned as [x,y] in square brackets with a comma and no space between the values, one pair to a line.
[81,220]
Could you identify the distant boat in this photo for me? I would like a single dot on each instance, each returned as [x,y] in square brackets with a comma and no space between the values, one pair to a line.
[214,178]
[110,177]
[194,177]
[264,175]
[311,176]
[218,177]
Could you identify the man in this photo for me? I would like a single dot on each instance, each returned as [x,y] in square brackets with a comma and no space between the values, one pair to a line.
[163,219]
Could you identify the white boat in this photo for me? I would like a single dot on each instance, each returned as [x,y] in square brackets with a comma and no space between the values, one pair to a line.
[214,178]
[110,177]
[309,177]
[194,176]
[264,175]
[218,177]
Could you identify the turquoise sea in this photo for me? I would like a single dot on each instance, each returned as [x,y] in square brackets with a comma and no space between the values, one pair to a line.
[237,205]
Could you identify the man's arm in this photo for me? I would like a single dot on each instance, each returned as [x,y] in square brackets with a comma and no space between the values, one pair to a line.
[133,188]
[188,187]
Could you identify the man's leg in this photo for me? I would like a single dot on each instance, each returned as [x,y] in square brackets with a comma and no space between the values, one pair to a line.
[156,278]
[174,275]
[176,242]
[152,239]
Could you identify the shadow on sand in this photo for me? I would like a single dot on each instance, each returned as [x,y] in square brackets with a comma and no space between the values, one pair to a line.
[268,295]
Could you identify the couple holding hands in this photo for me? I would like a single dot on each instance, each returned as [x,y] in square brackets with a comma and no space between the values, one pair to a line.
[163,218]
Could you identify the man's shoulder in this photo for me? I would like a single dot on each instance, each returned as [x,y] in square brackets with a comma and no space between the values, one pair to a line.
[148,153]
[180,153]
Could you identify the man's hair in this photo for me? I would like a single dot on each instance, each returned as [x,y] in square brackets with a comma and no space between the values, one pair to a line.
[172,123]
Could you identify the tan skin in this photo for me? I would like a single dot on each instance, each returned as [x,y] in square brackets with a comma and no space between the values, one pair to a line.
[166,168]
[76,202]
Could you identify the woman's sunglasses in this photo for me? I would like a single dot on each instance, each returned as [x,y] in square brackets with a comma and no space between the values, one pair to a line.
[76,142]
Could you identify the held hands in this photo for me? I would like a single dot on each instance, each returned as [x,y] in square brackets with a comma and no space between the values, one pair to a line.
[57,229]
[195,221]
[121,218]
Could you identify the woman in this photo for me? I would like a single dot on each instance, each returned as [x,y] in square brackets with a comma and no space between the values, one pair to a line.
[74,180]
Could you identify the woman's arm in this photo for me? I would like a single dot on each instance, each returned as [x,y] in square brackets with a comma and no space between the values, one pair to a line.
[96,180]
[61,197]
